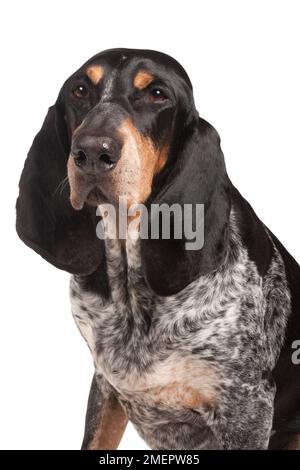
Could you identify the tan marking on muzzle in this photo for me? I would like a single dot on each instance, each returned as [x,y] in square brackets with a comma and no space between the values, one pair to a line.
[95,73]
[78,185]
[140,161]
[133,175]
[142,79]
[162,158]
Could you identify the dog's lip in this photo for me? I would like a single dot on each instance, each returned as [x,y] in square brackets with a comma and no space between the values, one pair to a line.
[78,199]
[92,194]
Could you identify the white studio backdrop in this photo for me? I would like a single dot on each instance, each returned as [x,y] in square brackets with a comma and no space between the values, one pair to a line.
[243,60]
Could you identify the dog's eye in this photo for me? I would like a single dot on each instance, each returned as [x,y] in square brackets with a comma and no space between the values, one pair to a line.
[156,94]
[80,91]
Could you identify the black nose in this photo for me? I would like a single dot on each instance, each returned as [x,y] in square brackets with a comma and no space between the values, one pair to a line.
[93,153]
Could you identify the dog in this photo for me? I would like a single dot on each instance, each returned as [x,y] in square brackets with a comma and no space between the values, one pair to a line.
[194,347]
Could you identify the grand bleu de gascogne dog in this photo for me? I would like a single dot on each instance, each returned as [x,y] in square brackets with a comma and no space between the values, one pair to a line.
[194,347]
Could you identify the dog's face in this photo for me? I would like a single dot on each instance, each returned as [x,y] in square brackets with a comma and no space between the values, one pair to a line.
[122,110]
[124,124]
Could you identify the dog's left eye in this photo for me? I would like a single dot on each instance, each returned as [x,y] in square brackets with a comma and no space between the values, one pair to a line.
[80,91]
[157,94]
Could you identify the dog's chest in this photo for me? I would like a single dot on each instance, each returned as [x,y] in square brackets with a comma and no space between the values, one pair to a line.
[177,363]
[141,343]
[172,350]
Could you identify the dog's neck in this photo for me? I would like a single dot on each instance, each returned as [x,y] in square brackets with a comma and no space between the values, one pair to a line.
[125,276]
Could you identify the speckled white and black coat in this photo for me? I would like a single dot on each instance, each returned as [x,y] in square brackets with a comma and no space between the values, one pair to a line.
[192,370]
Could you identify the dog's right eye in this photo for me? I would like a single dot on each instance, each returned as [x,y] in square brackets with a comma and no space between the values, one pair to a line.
[80,91]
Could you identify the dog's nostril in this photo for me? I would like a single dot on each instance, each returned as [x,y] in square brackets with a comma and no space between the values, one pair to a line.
[105,158]
[80,158]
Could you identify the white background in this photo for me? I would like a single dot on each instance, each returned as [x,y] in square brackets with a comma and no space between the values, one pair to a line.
[243,59]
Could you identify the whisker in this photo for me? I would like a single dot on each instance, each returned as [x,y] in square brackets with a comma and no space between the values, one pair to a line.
[61,186]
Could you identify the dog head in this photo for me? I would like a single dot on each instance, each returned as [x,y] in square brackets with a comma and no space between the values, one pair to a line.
[124,124]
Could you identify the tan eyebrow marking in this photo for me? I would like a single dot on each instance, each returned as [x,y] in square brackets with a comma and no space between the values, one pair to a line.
[142,79]
[95,73]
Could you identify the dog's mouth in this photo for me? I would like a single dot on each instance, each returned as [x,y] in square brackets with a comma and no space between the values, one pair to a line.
[85,188]
[96,197]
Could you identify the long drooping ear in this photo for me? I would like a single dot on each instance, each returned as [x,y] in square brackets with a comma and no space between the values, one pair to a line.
[46,221]
[197,177]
